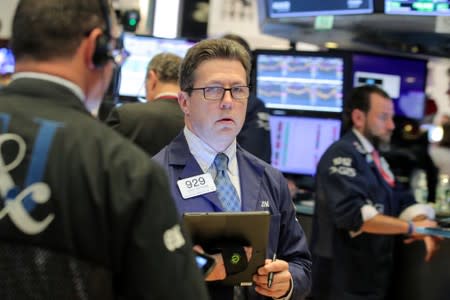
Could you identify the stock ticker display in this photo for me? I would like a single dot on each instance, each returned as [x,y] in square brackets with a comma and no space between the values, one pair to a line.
[418,7]
[295,8]
[300,82]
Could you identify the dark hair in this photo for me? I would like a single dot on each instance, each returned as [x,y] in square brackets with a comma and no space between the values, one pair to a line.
[166,65]
[360,99]
[211,49]
[46,29]
[239,39]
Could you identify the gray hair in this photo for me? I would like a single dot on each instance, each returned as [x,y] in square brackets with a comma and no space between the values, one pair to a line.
[166,66]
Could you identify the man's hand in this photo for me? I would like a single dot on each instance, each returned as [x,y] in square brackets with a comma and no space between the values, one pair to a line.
[281,284]
[431,242]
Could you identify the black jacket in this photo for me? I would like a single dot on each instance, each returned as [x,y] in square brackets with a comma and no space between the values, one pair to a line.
[151,126]
[255,134]
[93,197]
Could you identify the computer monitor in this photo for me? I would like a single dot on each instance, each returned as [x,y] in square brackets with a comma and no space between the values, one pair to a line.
[7,62]
[404,79]
[142,48]
[417,7]
[298,142]
[312,81]
[302,8]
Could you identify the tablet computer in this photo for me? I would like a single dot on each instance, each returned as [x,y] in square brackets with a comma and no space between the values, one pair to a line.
[434,231]
[212,230]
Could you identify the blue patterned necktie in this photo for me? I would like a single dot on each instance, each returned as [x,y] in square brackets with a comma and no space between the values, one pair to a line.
[225,189]
[229,199]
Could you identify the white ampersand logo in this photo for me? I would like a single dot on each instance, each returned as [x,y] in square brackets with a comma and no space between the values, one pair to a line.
[13,202]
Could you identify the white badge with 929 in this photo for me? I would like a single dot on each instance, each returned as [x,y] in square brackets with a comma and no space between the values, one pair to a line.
[196,185]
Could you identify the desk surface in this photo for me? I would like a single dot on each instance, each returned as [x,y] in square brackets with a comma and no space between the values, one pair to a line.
[414,278]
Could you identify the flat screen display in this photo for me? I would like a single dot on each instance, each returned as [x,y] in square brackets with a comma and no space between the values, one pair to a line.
[298,142]
[418,8]
[7,63]
[142,49]
[311,81]
[301,8]
[404,80]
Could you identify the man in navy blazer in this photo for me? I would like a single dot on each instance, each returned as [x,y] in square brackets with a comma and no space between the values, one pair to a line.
[357,213]
[214,79]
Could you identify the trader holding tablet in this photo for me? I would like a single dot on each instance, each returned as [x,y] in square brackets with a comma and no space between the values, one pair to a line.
[209,172]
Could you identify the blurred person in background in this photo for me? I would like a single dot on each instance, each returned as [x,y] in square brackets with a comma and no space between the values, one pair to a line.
[356,212]
[440,152]
[154,124]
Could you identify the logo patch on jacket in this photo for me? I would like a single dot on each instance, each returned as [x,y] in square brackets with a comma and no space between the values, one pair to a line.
[343,166]
[19,202]
[14,198]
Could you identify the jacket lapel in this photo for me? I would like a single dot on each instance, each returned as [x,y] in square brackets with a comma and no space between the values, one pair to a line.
[186,165]
[368,158]
[251,180]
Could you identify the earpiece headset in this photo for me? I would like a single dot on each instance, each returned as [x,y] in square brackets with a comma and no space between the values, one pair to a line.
[103,49]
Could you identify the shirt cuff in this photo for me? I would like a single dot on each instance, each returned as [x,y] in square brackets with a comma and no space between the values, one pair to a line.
[367,212]
[289,295]
[409,213]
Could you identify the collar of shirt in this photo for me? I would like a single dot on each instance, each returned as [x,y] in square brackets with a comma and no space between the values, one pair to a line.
[167,95]
[61,81]
[205,155]
[364,141]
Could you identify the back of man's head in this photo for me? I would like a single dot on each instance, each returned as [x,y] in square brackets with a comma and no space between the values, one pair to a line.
[166,66]
[239,39]
[43,30]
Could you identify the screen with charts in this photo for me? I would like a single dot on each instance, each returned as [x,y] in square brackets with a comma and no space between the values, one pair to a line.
[417,7]
[301,8]
[404,79]
[311,81]
[7,63]
[142,49]
[298,142]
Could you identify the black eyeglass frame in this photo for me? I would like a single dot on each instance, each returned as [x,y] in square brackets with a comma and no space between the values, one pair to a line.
[223,92]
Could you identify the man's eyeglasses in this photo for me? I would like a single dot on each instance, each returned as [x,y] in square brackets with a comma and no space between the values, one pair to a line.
[216,93]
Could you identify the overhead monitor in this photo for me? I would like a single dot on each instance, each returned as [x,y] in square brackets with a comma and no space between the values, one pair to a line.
[404,79]
[142,48]
[7,62]
[417,7]
[311,81]
[302,8]
[298,142]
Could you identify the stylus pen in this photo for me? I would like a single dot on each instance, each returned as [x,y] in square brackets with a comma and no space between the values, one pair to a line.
[270,277]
